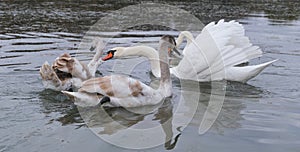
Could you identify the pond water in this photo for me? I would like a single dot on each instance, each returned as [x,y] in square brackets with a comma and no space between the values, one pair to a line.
[262,115]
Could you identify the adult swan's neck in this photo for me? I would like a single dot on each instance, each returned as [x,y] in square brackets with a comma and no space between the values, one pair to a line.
[147,52]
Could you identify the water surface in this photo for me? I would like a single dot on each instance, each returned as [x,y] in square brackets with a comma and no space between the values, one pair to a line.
[262,115]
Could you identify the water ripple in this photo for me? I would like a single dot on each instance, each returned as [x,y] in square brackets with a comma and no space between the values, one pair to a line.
[258,114]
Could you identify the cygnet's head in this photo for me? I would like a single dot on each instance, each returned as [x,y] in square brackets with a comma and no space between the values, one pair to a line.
[172,44]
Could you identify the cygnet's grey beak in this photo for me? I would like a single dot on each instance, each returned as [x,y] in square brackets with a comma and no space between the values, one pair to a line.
[176,53]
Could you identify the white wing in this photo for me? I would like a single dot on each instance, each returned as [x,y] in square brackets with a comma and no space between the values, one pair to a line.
[217,47]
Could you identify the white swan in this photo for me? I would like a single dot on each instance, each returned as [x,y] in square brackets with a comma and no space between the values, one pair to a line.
[116,90]
[212,56]
[67,72]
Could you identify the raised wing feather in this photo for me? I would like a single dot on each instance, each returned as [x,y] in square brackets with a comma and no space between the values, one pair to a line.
[217,47]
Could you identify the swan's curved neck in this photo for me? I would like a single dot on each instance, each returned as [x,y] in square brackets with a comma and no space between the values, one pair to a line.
[184,34]
[137,51]
[144,51]
[165,81]
[99,51]
[96,61]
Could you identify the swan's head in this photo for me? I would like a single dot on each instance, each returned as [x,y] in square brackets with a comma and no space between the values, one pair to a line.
[171,44]
[169,39]
[112,53]
[123,52]
[97,42]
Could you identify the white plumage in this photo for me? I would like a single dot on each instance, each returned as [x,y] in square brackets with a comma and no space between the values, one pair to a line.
[211,56]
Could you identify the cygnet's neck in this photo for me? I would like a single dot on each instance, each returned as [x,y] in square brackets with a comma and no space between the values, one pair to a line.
[165,79]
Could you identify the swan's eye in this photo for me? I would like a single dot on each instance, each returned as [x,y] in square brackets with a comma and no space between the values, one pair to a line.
[111,51]
[92,48]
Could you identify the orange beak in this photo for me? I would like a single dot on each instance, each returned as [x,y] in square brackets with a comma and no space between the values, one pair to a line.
[107,57]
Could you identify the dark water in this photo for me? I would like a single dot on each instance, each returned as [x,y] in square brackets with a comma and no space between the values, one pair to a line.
[262,115]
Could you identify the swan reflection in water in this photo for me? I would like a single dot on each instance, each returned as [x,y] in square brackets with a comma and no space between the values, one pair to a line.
[165,117]
[110,121]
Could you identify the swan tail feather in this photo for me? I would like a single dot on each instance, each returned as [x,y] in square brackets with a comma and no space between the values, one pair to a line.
[249,72]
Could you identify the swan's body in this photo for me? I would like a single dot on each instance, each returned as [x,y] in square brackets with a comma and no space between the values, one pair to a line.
[68,73]
[212,56]
[245,73]
[123,91]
